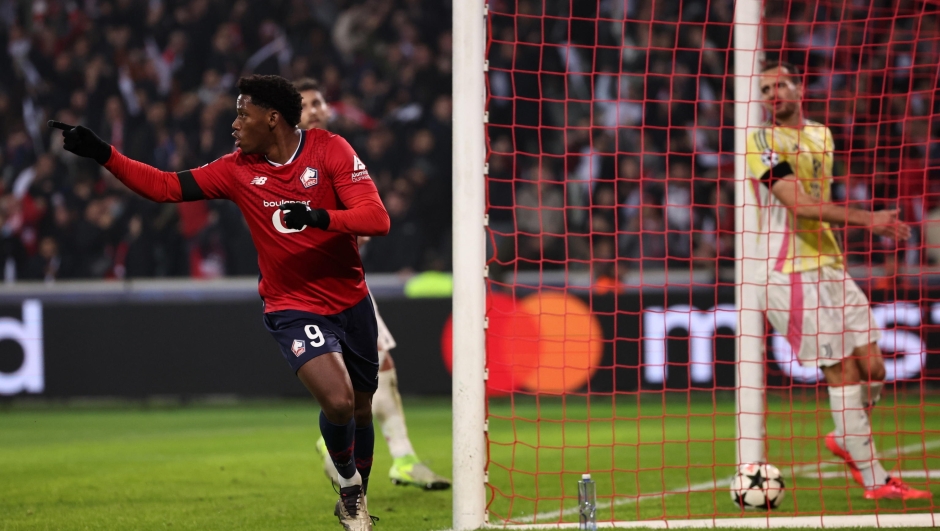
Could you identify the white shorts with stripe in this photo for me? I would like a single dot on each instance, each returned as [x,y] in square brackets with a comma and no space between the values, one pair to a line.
[822,313]
[386,341]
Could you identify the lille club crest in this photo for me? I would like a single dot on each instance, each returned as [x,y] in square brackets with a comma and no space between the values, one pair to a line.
[298,347]
[309,177]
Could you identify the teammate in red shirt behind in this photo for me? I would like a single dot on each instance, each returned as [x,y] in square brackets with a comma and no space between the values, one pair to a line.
[305,196]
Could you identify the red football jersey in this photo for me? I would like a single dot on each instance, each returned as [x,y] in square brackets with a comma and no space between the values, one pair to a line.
[312,270]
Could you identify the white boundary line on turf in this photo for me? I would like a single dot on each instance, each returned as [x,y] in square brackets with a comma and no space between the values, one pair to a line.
[918,474]
[700,487]
[829,522]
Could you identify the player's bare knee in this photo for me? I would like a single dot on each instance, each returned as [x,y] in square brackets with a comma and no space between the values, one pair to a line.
[339,408]
[364,418]
[842,374]
[363,413]
[876,370]
[871,363]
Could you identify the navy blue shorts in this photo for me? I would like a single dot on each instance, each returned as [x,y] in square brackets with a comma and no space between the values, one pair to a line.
[303,336]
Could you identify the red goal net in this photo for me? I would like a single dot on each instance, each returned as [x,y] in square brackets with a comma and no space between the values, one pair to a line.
[611,254]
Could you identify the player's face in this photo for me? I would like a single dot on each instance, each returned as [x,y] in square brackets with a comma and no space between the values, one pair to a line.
[251,126]
[315,110]
[781,95]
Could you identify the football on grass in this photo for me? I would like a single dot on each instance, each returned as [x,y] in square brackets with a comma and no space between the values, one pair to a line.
[757,486]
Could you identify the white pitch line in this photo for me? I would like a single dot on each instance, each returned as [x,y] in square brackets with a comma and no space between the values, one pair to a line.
[710,485]
[905,474]
[915,520]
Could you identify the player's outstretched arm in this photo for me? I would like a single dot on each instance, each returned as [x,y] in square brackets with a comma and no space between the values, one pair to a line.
[83,142]
[883,222]
[149,182]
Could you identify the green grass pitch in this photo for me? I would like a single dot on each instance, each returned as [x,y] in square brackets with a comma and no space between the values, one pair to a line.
[241,467]
[656,455]
[253,465]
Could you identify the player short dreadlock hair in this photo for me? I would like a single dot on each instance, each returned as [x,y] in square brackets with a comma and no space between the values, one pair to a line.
[273,92]
[793,71]
[307,83]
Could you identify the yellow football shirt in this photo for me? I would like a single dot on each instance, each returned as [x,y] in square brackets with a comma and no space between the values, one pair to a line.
[793,244]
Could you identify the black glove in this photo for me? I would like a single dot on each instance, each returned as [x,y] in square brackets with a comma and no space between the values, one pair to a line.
[298,214]
[83,142]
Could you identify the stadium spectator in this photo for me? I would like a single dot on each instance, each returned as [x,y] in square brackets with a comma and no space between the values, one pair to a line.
[645,83]
[655,83]
[540,218]
[643,241]
[156,79]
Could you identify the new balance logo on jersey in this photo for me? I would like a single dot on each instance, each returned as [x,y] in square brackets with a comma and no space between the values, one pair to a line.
[259,180]
[309,177]
[359,170]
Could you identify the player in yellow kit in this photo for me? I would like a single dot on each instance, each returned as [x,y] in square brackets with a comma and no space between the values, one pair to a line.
[811,299]
[407,468]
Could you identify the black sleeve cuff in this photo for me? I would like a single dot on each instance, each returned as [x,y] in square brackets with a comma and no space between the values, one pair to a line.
[189,186]
[102,155]
[321,218]
[780,171]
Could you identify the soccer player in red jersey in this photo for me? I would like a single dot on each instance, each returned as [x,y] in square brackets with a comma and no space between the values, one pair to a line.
[305,196]
[387,410]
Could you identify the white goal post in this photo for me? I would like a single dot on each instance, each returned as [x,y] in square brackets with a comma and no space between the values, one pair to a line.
[469,259]
[749,342]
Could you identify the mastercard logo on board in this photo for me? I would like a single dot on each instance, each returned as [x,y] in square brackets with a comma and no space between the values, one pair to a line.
[544,343]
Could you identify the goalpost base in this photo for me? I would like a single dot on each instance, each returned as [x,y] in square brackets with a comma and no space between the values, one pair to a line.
[773,522]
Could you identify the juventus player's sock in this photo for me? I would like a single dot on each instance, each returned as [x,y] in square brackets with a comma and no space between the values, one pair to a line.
[848,412]
[872,392]
[340,441]
[388,413]
[365,446]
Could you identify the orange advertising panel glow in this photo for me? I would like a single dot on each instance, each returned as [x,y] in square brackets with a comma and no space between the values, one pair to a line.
[544,343]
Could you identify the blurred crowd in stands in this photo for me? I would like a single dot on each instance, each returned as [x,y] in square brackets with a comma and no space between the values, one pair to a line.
[156,79]
[610,132]
[611,127]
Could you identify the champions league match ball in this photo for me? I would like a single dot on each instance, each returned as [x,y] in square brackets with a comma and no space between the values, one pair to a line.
[757,486]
